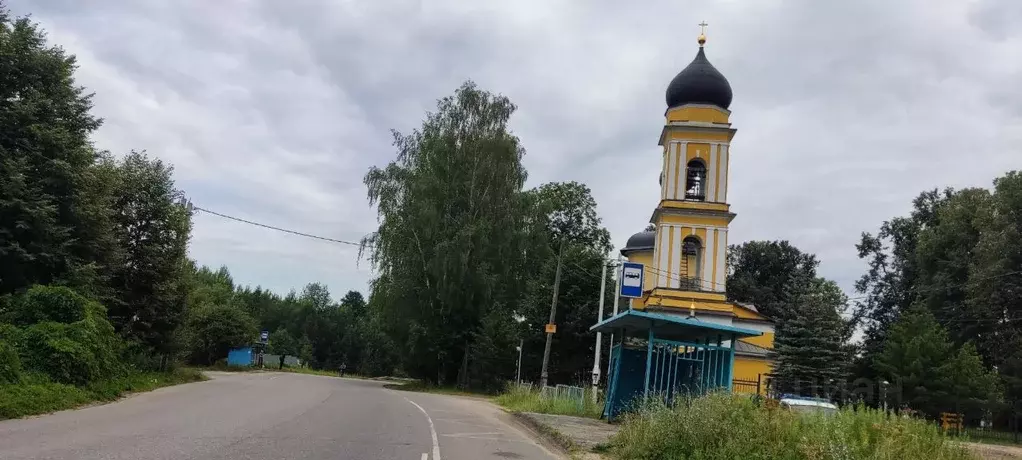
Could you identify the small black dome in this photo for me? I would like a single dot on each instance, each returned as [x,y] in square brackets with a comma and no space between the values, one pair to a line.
[641,241]
[699,83]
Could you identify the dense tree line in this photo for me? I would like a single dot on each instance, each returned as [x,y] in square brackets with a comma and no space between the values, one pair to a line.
[938,310]
[950,270]
[465,254]
[94,274]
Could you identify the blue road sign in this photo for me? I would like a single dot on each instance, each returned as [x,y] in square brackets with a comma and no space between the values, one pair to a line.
[631,279]
[264,336]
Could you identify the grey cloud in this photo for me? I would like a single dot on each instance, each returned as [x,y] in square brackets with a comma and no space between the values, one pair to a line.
[274,110]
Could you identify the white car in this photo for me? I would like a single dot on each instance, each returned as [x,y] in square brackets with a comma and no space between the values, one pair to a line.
[808,405]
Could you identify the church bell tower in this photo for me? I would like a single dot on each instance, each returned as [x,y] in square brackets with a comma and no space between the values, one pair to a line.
[687,268]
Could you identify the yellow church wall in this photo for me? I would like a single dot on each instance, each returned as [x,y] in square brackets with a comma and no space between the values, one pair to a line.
[749,368]
[745,313]
[700,205]
[766,340]
[707,221]
[706,114]
[680,135]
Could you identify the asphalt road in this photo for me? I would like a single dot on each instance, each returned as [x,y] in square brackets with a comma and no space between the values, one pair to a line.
[274,416]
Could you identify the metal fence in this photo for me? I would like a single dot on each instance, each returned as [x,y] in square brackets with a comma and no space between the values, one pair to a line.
[567,392]
[993,435]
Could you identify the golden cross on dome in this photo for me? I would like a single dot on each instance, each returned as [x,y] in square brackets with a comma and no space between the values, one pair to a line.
[702,33]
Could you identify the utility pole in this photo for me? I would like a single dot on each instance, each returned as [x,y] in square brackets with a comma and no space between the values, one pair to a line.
[599,335]
[617,298]
[553,314]
[518,377]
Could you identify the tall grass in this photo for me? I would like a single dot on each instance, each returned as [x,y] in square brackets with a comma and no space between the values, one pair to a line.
[524,399]
[37,394]
[725,427]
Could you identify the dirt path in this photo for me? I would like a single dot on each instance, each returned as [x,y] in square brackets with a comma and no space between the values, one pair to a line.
[995,452]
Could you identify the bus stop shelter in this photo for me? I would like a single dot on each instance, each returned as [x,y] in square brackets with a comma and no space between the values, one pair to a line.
[666,356]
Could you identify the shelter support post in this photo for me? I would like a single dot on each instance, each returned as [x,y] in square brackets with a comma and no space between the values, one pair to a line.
[649,359]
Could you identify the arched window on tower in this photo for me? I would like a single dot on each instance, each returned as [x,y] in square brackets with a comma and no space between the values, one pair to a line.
[692,252]
[695,183]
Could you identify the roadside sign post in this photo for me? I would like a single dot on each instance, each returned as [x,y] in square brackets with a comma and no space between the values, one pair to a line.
[631,280]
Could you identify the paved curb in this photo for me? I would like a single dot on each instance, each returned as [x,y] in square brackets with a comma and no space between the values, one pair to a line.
[551,436]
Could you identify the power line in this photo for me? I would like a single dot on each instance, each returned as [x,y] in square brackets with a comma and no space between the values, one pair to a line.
[279,229]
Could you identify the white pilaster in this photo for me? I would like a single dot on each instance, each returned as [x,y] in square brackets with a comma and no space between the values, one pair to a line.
[707,274]
[722,175]
[679,186]
[664,178]
[711,173]
[661,263]
[669,174]
[675,257]
[721,277]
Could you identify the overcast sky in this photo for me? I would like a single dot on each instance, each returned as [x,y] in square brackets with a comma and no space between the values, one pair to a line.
[274,110]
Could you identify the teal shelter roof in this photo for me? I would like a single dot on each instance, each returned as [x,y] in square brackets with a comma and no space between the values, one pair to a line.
[669,326]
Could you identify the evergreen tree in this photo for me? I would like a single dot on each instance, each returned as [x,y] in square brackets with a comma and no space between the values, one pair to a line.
[926,371]
[153,229]
[53,226]
[809,344]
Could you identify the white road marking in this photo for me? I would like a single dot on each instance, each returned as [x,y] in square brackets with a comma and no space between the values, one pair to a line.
[461,435]
[432,431]
[425,456]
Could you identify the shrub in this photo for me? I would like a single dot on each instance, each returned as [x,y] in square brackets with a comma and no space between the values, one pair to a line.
[38,398]
[74,353]
[10,364]
[723,426]
[52,303]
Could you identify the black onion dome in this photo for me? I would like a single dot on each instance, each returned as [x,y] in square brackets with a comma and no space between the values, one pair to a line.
[699,83]
[642,241]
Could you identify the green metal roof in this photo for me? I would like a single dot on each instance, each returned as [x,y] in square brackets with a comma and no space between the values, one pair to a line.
[669,326]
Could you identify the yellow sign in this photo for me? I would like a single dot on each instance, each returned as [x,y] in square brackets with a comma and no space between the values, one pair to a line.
[551,328]
[951,421]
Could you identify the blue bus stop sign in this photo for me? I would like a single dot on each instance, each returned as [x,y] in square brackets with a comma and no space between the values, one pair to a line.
[631,279]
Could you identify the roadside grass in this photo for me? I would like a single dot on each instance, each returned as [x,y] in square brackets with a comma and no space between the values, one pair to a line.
[724,426]
[36,394]
[222,366]
[1002,438]
[311,371]
[423,387]
[523,399]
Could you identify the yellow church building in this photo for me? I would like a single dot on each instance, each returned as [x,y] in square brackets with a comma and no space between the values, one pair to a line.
[684,256]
